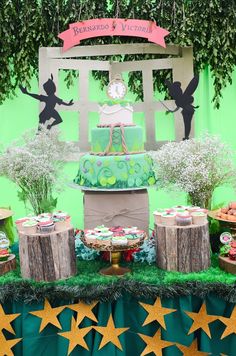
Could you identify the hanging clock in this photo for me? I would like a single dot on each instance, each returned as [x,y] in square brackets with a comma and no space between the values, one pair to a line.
[116,89]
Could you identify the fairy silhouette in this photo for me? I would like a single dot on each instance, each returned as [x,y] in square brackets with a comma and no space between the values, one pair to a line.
[184,100]
[50,102]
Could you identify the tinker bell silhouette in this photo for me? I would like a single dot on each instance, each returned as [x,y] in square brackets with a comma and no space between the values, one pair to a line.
[183,100]
[50,102]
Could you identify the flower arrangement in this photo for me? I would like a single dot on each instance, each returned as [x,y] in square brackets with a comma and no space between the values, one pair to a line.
[34,163]
[196,166]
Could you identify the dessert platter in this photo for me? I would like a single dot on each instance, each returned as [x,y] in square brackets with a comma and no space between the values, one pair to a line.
[117,160]
[181,216]
[44,223]
[114,239]
[226,216]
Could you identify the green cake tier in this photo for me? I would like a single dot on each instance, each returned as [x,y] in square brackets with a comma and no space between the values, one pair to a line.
[101,137]
[115,172]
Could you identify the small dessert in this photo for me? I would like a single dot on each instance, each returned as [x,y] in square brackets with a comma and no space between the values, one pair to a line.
[233,244]
[132,239]
[168,219]
[101,228]
[119,240]
[157,215]
[226,238]
[103,240]
[19,223]
[193,208]
[232,205]
[130,229]
[91,238]
[61,220]
[199,218]
[46,226]
[232,254]
[183,219]
[4,247]
[30,227]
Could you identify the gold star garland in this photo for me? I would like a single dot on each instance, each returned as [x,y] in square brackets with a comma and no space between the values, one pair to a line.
[156,312]
[154,343]
[7,345]
[110,333]
[76,336]
[48,315]
[201,320]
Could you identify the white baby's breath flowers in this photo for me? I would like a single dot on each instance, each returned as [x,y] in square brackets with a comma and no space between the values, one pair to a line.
[35,163]
[196,166]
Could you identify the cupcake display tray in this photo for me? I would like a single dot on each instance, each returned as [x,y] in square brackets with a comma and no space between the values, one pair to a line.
[100,247]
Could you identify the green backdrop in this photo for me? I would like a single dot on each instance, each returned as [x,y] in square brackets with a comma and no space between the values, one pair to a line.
[21,113]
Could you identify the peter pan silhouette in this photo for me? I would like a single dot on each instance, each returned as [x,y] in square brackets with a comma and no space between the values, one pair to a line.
[50,102]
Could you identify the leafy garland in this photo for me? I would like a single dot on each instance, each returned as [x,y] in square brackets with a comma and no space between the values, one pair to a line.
[27,25]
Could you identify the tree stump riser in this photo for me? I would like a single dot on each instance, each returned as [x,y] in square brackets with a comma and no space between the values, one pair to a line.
[183,249]
[48,257]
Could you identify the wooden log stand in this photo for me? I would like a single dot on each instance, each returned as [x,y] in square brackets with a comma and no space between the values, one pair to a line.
[227,264]
[48,257]
[9,265]
[183,248]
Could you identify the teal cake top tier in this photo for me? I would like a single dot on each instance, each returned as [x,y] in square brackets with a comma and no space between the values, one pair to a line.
[115,172]
[118,139]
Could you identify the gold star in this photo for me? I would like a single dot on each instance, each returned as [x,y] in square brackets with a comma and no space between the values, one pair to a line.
[156,312]
[230,324]
[76,336]
[6,319]
[154,343]
[110,333]
[48,315]
[6,345]
[191,350]
[201,320]
[83,310]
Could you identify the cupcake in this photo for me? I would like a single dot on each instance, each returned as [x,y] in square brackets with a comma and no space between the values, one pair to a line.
[19,223]
[91,238]
[191,209]
[29,227]
[101,228]
[157,215]
[103,240]
[132,239]
[130,229]
[4,254]
[232,254]
[199,218]
[119,241]
[46,226]
[168,219]
[183,219]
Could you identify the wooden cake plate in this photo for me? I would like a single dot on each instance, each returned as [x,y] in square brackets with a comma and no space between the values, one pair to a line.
[9,265]
[227,264]
[231,225]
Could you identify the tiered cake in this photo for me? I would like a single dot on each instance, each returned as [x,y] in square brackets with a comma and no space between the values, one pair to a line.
[117,159]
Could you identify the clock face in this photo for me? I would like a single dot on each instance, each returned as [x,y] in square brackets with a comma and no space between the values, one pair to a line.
[116,89]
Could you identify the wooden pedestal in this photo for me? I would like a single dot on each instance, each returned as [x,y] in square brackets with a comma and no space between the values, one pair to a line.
[48,257]
[183,249]
[9,265]
[227,264]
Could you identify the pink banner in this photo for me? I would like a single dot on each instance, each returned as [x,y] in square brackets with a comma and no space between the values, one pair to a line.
[112,27]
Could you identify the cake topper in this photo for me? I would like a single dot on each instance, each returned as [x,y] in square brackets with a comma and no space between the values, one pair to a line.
[50,101]
[183,100]
[116,89]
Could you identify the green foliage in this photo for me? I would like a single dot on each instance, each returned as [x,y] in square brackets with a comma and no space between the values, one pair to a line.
[27,25]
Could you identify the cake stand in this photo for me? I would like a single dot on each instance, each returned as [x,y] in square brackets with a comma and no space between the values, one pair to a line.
[115,269]
[231,225]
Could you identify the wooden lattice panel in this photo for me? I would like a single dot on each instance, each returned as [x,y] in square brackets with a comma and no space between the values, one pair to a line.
[52,59]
